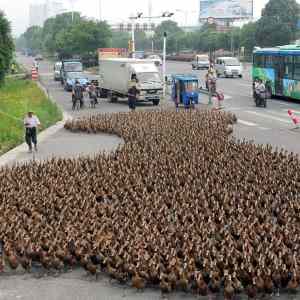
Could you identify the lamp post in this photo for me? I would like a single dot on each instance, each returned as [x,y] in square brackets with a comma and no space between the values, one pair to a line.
[140,16]
[164,64]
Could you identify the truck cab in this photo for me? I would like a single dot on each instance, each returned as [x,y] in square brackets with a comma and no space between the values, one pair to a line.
[70,65]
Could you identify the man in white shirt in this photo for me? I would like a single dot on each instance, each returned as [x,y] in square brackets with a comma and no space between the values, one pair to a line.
[31,123]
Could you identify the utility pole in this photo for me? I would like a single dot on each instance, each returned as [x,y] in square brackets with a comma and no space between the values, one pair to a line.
[139,16]
[100,10]
[164,63]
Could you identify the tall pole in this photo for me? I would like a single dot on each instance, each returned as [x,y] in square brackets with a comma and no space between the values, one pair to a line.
[133,38]
[100,10]
[152,45]
[164,63]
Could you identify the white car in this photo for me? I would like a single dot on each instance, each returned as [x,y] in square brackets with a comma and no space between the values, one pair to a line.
[57,69]
[156,59]
[228,67]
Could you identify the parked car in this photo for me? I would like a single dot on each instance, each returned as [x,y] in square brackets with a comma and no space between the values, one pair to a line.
[57,69]
[72,77]
[228,67]
[200,62]
[157,60]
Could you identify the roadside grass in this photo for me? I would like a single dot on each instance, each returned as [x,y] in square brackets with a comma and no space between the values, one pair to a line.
[16,98]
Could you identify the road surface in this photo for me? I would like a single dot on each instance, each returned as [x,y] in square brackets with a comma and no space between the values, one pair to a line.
[269,125]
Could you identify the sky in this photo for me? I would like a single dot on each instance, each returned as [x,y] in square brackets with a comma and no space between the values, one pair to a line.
[115,11]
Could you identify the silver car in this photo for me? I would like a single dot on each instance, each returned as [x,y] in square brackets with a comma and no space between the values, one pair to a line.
[57,69]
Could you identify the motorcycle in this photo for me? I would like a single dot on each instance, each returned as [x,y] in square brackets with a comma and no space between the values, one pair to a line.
[260,98]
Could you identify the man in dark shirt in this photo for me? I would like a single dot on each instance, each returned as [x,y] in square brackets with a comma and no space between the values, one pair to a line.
[132,97]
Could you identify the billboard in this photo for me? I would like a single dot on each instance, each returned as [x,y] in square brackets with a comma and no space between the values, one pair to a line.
[226,9]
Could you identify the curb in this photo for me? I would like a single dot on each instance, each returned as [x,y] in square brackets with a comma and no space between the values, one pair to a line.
[13,154]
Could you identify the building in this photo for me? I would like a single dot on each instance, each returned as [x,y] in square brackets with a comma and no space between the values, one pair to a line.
[39,13]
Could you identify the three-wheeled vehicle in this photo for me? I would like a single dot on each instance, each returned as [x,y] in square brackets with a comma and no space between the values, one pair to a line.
[185,90]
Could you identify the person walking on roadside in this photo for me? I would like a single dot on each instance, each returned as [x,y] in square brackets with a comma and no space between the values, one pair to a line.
[77,94]
[211,84]
[132,97]
[36,65]
[31,123]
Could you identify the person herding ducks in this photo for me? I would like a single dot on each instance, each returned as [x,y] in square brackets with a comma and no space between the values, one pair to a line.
[31,123]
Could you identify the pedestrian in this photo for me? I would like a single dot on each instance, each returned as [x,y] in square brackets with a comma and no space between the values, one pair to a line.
[132,97]
[212,84]
[36,65]
[77,94]
[31,123]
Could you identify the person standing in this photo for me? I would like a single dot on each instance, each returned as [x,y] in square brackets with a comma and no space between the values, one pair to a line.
[132,97]
[77,95]
[212,84]
[31,123]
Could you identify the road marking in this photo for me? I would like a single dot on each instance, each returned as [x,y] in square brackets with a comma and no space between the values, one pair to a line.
[264,128]
[245,84]
[268,116]
[294,111]
[247,123]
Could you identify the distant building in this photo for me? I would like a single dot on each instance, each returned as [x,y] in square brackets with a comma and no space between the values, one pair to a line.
[39,13]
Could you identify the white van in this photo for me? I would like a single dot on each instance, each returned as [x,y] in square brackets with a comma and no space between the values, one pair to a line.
[228,67]
[200,62]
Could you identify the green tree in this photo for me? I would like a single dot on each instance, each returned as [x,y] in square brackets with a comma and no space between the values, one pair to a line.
[120,39]
[83,38]
[278,24]
[34,37]
[53,27]
[6,46]
[248,40]
[271,32]
[174,35]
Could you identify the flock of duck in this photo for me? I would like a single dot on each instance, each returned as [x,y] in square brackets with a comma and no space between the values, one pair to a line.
[181,205]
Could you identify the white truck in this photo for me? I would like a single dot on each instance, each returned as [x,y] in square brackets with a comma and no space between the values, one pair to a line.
[117,75]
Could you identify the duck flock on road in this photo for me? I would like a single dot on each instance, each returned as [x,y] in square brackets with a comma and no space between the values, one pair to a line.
[180,205]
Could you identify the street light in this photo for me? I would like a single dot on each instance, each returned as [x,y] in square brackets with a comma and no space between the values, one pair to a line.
[138,16]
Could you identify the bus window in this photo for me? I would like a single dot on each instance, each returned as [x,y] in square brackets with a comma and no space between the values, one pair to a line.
[297,68]
[288,67]
[259,61]
[269,61]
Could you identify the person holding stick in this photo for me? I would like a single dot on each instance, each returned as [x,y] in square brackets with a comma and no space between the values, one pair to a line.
[31,123]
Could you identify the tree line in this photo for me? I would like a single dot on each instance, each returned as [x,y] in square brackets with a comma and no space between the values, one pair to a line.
[6,46]
[66,36]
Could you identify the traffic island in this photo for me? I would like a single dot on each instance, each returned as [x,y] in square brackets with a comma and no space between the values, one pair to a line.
[17,96]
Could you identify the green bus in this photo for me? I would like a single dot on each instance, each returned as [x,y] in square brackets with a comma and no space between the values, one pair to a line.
[279,68]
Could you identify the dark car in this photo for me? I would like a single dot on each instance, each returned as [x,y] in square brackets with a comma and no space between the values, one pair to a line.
[72,77]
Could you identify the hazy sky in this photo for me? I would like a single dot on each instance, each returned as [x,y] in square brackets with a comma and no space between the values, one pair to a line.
[17,11]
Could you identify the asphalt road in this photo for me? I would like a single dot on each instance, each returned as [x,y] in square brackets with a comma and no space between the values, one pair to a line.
[269,125]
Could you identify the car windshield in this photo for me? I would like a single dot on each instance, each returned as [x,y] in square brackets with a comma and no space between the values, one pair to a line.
[232,62]
[201,58]
[75,75]
[73,66]
[148,77]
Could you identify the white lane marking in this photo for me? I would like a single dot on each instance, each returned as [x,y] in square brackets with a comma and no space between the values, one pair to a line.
[245,84]
[266,116]
[264,128]
[247,123]
[294,111]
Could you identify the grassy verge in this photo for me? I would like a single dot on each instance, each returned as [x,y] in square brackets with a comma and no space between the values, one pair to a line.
[16,98]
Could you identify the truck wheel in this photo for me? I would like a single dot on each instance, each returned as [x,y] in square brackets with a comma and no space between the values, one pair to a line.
[156,102]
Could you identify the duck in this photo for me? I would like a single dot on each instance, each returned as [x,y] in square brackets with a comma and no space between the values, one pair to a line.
[138,282]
